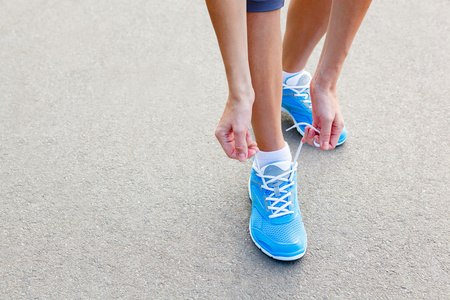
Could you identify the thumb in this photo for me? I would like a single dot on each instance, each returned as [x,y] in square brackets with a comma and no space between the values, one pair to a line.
[325,134]
[240,140]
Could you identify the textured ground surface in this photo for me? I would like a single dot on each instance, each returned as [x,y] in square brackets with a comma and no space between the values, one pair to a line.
[112,184]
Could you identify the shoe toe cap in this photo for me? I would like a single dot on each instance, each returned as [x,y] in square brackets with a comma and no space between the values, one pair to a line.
[343,136]
[281,241]
[281,251]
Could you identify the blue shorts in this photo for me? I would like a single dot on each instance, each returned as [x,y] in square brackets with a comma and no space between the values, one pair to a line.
[264,5]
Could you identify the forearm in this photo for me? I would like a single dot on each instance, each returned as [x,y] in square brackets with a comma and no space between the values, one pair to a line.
[230,24]
[345,18]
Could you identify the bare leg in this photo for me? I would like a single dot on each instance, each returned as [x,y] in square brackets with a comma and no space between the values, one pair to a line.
[345,18]
[264,49]
[307,22]
[230,22]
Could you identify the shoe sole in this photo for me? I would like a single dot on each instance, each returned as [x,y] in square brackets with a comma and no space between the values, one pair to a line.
[282,258]
[298,127]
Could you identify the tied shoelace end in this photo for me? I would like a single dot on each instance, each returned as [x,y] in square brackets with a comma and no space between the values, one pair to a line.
[296,125]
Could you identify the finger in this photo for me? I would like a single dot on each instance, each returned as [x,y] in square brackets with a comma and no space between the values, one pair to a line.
[240,140]
[325,133]
[336,130]
[249,139]
[252,152]
[252,146]
[307,129]
[305,135]
[313,133]
[309,136]
[316,142]
[226,140]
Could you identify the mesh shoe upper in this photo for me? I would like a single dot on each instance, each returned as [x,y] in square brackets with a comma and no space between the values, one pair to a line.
[297,102]
[276,224]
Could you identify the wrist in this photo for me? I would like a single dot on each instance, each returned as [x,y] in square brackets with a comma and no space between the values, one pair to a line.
[324,85]
[242,93]
[240,84]
[326,78]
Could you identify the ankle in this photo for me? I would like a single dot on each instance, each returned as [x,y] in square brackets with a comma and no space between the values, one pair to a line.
[286,75]
[268,157]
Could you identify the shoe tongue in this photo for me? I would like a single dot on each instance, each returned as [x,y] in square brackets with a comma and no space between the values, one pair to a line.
[276,169]
[301,79]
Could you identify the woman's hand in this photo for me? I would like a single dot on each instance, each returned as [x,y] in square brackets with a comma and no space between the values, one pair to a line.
[345,18]
[232,130]
[327,117]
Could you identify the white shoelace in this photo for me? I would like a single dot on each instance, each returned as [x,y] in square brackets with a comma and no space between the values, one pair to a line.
[276,196]
[300,91]
[301,143]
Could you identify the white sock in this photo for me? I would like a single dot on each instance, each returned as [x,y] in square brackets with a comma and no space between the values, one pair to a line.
[287,75]
[267,158]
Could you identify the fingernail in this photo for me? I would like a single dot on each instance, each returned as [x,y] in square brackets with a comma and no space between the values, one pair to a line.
[325,145]
[241,157]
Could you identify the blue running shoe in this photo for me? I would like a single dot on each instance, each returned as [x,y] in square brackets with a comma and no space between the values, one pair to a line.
[297,102]
[276,225]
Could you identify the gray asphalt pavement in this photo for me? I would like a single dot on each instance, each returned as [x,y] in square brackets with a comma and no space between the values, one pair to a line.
[112,184]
